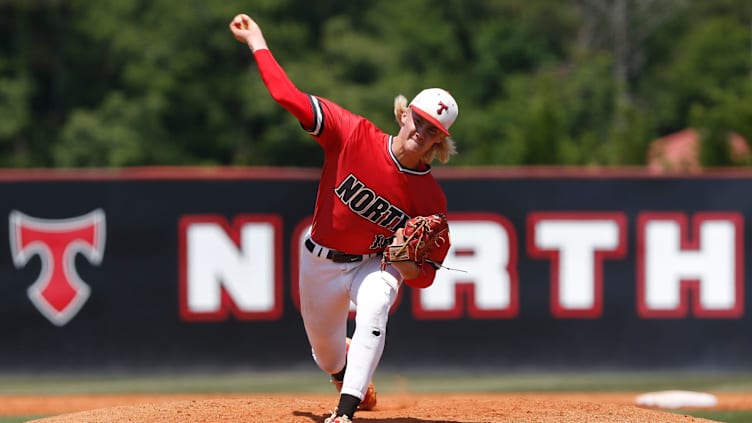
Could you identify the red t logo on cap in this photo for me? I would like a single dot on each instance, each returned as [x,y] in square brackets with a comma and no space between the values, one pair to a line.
[442,107]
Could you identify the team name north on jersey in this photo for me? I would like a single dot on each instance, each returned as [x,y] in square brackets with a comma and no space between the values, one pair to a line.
[364,202]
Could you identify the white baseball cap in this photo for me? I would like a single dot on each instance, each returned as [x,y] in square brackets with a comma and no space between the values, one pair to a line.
[437,106]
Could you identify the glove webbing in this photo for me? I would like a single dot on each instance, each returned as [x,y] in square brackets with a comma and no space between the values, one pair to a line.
[422,227]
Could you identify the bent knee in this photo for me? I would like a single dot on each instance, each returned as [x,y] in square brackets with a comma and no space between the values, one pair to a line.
[330,361]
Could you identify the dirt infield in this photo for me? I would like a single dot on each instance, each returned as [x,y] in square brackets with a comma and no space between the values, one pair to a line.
[312,408]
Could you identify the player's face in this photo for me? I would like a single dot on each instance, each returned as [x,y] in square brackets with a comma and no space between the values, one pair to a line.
[424,133]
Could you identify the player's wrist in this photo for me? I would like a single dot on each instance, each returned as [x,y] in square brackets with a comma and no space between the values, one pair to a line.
[256,43]
[408,269]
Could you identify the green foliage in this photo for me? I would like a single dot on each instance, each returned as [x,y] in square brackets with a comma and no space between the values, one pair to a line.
[120,133]
[15,113]
[731,112]
[118,83]
[707,61]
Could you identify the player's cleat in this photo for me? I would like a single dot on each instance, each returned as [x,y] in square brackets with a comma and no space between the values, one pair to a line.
[334,418]
[369,400]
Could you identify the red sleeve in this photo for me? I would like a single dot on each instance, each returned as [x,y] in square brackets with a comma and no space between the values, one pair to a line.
[425,279]
[282,89]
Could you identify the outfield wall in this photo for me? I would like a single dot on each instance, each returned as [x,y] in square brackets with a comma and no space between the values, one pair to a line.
[552,269]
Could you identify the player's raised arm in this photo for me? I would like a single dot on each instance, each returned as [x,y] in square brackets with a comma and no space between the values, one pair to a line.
[281,88]
[247,31]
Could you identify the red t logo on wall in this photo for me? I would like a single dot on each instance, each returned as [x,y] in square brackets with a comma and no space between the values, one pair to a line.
[58,293]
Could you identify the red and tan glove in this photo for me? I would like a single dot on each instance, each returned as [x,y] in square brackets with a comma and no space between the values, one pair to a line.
[422,235]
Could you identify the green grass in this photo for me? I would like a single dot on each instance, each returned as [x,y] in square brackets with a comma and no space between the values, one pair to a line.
[314,381]
[387,381]
[20,419]
[726,416]
[572,382]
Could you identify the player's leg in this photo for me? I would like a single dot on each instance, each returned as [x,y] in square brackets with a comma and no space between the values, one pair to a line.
[373,291]
[324,306]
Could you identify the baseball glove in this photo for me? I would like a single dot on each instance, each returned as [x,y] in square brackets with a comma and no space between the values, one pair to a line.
[422,234]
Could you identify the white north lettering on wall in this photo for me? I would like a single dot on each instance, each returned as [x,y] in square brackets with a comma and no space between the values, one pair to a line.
[245,272]
[577,243]
[667,264]
[480,253]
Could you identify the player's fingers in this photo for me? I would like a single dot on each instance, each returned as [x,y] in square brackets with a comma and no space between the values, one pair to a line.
[245,21]
[240,21]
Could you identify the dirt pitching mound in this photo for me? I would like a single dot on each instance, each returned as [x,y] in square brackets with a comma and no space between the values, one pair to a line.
[392,408]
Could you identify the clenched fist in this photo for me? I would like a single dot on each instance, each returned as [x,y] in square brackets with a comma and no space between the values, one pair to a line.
[247,31]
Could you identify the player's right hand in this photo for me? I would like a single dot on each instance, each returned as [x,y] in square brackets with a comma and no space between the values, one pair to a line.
[243,27]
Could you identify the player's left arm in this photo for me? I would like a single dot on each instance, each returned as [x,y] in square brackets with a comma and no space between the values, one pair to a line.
[420,275]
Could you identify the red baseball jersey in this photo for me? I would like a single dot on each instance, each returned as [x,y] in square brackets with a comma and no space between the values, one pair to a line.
[364,193]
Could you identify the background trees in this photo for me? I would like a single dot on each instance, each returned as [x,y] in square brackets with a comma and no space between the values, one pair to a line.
[135,82]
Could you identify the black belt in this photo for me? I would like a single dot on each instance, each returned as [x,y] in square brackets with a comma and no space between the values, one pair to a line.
[334,255]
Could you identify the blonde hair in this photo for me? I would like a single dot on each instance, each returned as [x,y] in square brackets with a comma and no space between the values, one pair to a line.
[443,150]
